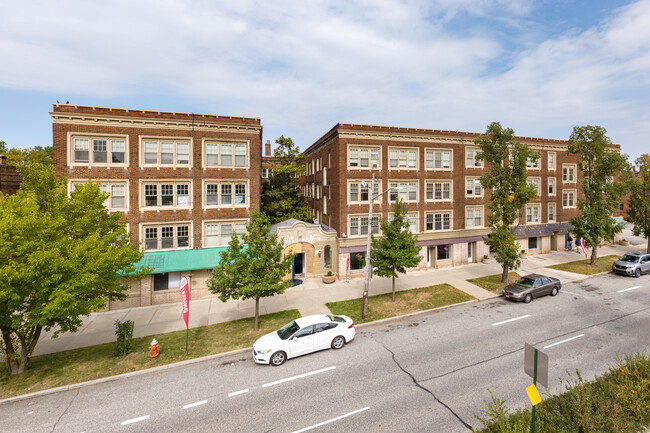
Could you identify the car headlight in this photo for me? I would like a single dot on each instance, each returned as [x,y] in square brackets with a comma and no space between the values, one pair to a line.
[263,351]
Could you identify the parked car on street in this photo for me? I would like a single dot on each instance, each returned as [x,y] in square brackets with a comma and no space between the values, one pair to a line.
[632,264]
[532,286]
[302,336]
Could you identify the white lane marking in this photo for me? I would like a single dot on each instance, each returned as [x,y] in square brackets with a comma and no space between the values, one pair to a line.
[131,421]
[243,391]
[631,288]
[563,341]
[331,420]
[511,320]
[322,370]
[198,403]
[31,412]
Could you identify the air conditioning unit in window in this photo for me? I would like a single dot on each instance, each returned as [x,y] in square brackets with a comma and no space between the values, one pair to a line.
[316,221]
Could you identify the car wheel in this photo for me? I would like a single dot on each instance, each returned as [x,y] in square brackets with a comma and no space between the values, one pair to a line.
[637,272]
[528,298]
[278,358]
[554,291]
[338,342]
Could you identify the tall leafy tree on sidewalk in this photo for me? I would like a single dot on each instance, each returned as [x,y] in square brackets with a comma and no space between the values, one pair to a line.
[600,165]
[506,177]
[281,195]
[252,268]
[61,258]
[639,198]
[396,250]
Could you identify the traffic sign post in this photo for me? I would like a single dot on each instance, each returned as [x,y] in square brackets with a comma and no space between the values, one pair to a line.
[536,366]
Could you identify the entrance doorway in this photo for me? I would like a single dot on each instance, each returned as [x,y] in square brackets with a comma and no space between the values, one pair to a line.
[431,257]
[298,269]
[470,252]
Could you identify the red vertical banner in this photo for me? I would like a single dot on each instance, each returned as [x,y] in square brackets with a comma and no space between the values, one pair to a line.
[185,300]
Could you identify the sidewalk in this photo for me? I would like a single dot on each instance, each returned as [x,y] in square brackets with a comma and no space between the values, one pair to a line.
[308,298]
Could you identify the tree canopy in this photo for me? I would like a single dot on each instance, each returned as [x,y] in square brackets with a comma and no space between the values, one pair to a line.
[19,157]
[638,201]
[602,192]
[281,195]
[252,268]
[61,258]
[396,250]
[505,175]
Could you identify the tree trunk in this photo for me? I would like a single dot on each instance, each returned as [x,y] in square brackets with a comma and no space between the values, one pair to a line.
[257,313]
[393,288]
[648,250]
[19,364]
[12,359]
[594,255]
[504,275]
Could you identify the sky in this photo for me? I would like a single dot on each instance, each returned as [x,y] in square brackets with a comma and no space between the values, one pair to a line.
[539,67]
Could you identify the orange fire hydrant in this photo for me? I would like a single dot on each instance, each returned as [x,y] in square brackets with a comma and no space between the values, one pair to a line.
[153,349]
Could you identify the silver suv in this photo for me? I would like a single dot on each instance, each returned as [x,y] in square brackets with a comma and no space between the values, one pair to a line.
[632,264]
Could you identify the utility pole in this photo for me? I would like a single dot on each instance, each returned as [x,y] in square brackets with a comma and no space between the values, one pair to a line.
[364,310]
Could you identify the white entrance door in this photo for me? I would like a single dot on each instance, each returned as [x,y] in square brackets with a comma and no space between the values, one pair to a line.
[431,257]
[470,252]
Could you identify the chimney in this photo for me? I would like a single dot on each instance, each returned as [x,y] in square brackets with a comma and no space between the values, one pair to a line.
[267,148]
[3,160]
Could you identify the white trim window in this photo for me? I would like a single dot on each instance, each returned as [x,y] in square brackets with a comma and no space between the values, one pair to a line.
[536,181]
[437,221]
[438,191]
[551,212]
[98,151]
[568,173]
[473,187]
[165,194]
[166,236]
[219,234]
[438,159]
[551,186]
[532,163]
[402,158]
[364,157]
[470,157]
[359,225]
[408,191]
[226,154]
[117,190]
[533,214]
[551,161]
[410,218]
[357,193]
[165,152]
[473,217]
[267,173]
[568,198]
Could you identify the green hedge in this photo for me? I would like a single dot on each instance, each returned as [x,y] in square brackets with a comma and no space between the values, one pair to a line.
[618,401]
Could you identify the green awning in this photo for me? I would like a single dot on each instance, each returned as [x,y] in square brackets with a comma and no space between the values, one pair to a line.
[181,260]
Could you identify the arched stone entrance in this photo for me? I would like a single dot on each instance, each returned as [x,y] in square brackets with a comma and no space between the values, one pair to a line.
[303,263]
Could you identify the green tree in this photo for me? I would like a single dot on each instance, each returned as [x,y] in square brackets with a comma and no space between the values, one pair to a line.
[639,198]
[281,195]
[601,192]
[396,250]
[253,268]
[61,258]
[506,177]
[19,157]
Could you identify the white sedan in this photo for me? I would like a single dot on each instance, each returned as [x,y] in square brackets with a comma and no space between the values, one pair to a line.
[302,336]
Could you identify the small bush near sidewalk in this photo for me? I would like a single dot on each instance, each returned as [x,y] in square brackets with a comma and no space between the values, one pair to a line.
[94,362]
[407,301]
[604,264]
[618,401]
[493,282]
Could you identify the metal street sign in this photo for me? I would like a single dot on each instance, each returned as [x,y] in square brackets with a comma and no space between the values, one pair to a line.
[542,364]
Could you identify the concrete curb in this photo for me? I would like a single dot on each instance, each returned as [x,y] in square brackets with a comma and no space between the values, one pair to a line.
[216,356]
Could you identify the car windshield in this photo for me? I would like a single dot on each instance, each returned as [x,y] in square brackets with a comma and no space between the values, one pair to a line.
[629,259]
[525,282]
[288,330]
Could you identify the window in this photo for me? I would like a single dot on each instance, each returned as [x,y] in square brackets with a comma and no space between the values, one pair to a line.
[621,206]
[536,182]
[530,163]
[551,186]
[359,225]
[165,237]
[327,256]
[438,221]
[551,212]
[568,173]
[220,234]
[166,152]
[165,194]
[471,161]
[532,214]
[444,252]
[102,151]
[407,192]
[118,197]
[266,173]
[359,192]
[438,191]
[438,159]
[473,187]
[363,157]
[410,218]
[356,263]
[473,217]
[220,154]
[398,158]
[324,205]
[551,160]
[166,281]
[568,199]
[533,243]
[324,175]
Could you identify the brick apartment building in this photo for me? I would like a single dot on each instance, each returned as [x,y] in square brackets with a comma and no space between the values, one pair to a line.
[438,177]
[185,183]
[10,179]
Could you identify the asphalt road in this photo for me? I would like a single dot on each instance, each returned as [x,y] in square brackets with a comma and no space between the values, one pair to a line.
[426,374]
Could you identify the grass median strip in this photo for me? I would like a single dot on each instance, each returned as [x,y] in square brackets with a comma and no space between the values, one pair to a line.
[604,264]
[408,301]
[493,282]
[94,362]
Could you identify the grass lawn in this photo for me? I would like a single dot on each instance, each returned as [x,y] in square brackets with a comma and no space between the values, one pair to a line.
[493,282]
[94,362]
[604,264]
[406,301]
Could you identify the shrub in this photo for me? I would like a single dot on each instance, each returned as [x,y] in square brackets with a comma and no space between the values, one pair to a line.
[124,334]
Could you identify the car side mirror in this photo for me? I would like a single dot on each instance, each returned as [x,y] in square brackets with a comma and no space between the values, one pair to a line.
[294,339]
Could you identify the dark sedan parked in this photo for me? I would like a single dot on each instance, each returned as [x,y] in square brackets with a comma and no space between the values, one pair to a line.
[532,286]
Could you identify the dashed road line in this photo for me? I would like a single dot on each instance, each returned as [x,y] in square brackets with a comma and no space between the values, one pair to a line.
[131,421]
[322,370]
[243,391]
[563,341]
[331,420]
[198,403]
[631,288]
[511,320]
